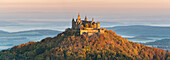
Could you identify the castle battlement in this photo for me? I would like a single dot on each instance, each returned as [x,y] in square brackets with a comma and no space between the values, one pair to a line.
[86,27]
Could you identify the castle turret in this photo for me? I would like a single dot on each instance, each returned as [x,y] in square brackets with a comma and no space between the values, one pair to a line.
[98,25]
[78,19]
[92,23]
[85,18]
[73,19]
[92,20]
[78,16]
[73,24]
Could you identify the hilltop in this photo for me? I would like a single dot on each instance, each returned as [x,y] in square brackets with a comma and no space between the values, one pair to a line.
[71,45]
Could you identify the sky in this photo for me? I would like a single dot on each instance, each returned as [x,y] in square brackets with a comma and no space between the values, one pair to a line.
[21,15]
[102,10]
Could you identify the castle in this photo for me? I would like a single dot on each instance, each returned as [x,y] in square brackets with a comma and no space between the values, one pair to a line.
[86,27]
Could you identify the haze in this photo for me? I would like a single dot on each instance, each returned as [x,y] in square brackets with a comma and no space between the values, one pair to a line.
[102,10]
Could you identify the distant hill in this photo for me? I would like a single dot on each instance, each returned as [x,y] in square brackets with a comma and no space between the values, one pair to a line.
[29,33]
[141,30]
[69,45]
[36,32]
[8,39]
[161,42]
[3,32]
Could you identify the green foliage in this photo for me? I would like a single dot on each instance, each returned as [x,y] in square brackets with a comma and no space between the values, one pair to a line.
[69,45]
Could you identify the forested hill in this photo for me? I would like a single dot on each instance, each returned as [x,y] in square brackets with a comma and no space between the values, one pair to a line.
[69,45]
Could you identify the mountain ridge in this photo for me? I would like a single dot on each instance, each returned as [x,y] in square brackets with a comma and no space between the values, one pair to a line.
[3,32]
[28,32]
[141,30]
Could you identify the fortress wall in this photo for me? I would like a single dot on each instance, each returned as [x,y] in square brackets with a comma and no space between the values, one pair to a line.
[89,28]
[89,32]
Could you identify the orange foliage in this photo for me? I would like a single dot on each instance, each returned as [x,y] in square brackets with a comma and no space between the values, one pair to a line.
[68,45]
[21,45]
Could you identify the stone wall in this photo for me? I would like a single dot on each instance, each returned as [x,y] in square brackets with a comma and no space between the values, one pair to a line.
[91,32]
[88,32]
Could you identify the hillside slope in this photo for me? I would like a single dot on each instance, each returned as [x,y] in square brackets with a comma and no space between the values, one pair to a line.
[69,45]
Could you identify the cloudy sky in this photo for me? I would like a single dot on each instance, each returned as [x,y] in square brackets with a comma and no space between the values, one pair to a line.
[102,10]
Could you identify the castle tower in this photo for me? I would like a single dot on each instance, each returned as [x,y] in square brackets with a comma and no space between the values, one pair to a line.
[85,18]
[73,19]
[95,25]
[78,19]
[98,25]
[73,23]
[92,25]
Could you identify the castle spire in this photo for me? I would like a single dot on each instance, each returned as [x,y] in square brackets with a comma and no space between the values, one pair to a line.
[98,22]
[85,18]
[92,19]
[73,19]
[78,15]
